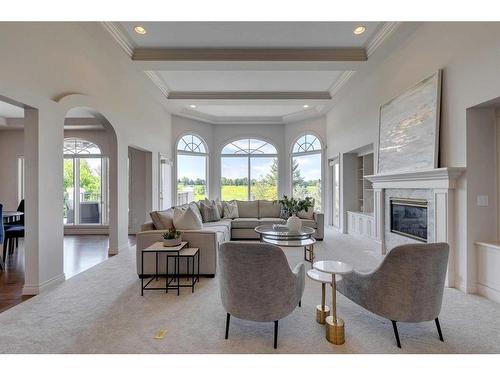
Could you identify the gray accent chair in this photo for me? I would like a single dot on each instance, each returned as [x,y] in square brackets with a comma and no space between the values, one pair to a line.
[257,284]
[406,287]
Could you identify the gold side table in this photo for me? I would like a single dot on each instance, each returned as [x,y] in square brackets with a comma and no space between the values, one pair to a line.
[335,328]
[323,310]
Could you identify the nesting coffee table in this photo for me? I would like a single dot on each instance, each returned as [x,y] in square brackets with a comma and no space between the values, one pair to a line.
[281,236]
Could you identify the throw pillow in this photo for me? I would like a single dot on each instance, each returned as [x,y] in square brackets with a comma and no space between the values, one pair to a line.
[217,203]
[231,210]
[163,219]
[209,212]
[186,219]
[196,209]
[309,215]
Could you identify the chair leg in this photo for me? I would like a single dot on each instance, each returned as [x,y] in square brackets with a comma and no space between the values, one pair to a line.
[275,334]
[4,255]
[438,326]
[228,318]
[300,303]
[395,327]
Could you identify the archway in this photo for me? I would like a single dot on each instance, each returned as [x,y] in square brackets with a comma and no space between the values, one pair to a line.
[90,188]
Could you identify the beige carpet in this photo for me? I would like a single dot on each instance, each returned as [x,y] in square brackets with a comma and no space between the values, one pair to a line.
[101,311]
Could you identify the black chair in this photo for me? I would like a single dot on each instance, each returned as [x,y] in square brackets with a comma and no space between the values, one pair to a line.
[13,231]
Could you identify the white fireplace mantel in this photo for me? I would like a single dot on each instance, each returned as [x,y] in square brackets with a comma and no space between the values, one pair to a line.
[439,178]
[441,182]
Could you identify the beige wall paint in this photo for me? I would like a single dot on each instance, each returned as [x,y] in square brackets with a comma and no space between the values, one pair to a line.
[468,53]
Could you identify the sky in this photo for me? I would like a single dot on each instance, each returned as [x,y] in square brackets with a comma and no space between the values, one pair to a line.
[193,167]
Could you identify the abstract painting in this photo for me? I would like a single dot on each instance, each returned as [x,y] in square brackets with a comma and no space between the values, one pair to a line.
[409,128]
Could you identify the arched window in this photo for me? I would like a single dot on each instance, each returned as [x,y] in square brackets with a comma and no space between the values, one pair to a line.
[306,168]
[76,146]
[85,183]
[192,157]
[249,170]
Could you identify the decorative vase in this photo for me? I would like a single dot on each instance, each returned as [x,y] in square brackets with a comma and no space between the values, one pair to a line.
[172,242]
[294,223]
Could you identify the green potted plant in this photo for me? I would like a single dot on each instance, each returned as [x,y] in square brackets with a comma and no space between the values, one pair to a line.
[171,238]
[292,206]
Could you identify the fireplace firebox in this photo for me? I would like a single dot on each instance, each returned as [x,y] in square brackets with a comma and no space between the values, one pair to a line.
[409,218]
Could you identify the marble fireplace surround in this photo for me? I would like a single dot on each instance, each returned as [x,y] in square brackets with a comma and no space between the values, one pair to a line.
[436,186]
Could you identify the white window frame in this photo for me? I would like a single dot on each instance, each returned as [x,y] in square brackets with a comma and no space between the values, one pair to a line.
[305,153]
[249,155]
[205,154]
[76,186]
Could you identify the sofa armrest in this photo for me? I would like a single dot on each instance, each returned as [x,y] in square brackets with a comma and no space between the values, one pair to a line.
[299,271]
[319,218]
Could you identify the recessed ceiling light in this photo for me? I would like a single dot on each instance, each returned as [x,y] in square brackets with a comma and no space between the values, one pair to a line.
[306,105]
[140,30]
[359,30]
[192,106]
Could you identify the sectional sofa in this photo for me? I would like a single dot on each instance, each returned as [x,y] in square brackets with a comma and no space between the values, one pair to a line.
[208,239]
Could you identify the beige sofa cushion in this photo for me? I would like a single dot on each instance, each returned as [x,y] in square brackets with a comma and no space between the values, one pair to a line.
[249,223]
[209,211]
[269,209]
[271,220]
[248,209]
[230,210]
[163,219]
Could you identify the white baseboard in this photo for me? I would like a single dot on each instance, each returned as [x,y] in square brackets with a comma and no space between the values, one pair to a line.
[32,290]
[488,292]
[122,247]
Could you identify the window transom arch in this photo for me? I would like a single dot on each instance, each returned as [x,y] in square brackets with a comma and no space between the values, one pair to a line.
[249,146]
[307,143]
[78,146]
[191,143]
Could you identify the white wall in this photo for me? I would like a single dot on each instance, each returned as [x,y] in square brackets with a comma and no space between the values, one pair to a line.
[468,54]
[43,66]
[216,136]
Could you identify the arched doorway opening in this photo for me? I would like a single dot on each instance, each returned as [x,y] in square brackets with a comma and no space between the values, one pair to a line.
[90,181]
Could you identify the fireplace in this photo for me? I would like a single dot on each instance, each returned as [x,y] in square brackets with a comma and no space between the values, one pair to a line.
[409,218]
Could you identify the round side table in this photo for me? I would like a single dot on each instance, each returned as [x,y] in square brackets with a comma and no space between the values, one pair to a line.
[335,332]
[323,310]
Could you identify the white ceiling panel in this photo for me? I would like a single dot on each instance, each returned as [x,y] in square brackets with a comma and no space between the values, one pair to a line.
[249,80]
[248,34]
[249,110]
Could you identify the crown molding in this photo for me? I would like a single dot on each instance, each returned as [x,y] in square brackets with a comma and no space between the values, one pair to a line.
[341,81]
[380,36]
[119,36]
[204,117]
[250,95]
[249,54]
[159,82]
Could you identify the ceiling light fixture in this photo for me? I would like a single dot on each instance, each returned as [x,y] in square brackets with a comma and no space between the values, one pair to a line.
[140,30]
[192,106]
[359,30]
[306,105]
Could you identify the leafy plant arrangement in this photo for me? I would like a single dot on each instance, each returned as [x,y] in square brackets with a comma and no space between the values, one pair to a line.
[293,205]
[172,234]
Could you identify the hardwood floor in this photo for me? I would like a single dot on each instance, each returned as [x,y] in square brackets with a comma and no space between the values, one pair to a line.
[80,253]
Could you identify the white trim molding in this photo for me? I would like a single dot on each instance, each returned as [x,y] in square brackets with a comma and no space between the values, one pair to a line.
[380,36]
[158,81]
[121,248]
[33,290]
[120,37]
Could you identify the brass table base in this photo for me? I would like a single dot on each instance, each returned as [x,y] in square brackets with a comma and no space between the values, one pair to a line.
[322,313]
[335,332]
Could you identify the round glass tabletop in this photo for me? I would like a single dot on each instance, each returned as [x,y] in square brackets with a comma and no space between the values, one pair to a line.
[282,232]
